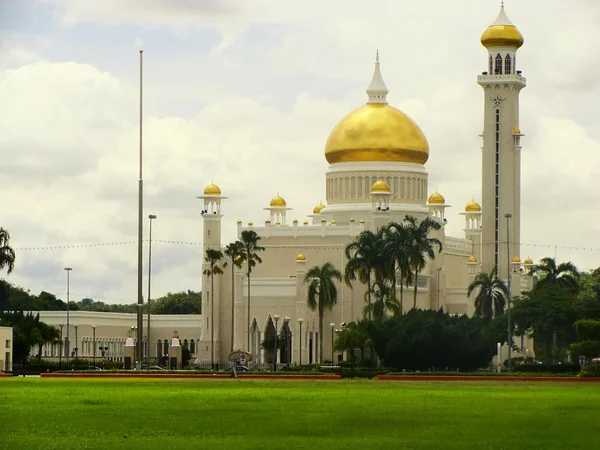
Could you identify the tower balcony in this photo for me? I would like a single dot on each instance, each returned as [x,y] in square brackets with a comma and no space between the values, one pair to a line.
[511,79]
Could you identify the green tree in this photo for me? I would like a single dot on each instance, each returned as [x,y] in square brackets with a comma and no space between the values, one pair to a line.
[322,293]
[235,252]
[398,246]
[251,249]
[213,258]
[421,245]
[362,255]
[491,296]
[352,337]
[562,276]
[189,302]
[7,254]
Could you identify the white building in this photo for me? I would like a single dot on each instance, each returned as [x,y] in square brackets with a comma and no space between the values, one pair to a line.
[377,174]
[6,349]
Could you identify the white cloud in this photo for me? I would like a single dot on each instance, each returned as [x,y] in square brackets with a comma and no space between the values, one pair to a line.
[266,103]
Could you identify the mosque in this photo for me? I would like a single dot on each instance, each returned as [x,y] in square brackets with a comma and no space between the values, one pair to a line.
[376,175]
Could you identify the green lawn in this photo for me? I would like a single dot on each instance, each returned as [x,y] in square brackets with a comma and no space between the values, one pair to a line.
[272,414]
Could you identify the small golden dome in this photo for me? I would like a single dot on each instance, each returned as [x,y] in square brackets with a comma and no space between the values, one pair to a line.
[267,221]
[212,189]
[516,260]
[380,186]
[317,209]
[239,221]
[305,222]
[352,219]
[377,132]
[250,224]
[323,220]
[436,199]
[300,257]
[502,33]
[516,130]
[528,262]
[278,202]
[333,222]
[295,221]
[362,221]
[278,223]
[473,207]
[472,260]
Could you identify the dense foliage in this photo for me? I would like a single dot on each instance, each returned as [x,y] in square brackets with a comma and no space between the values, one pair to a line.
[422,340]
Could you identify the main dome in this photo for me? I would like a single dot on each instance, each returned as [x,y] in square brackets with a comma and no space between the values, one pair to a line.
[377,132]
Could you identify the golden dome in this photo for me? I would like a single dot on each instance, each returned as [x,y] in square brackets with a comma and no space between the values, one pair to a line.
[239,221]
[267,221]
[333,222]
[305,222]
[436,199]
[473,207]
[300,257]
[323,220]
[250,224]
[278,202]
[212,189]
[351,219]
[295,221]
[516,260]
[528,262]
[377,132]
[317,209]
[380,186]
[277,223]
[361,221]
[502,33]
[472,260]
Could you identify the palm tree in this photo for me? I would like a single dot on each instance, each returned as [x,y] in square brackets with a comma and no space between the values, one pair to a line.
[213,257]
[492,294]
[421,245]
[322,293]
[398,246]
[235,252]
[362,256]
[385,301]
[250,250]
[7,254]
[565,275]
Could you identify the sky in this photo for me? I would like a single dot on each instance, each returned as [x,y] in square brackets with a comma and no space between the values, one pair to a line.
[245,94]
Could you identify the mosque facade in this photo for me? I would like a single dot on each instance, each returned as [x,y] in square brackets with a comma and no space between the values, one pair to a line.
[377,174]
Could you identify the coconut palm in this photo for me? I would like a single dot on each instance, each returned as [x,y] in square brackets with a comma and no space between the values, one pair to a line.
[492,294]
[421,245]
[235,252]
[7,254]
[384,301]
[362,256]
[563,275]
[213,258]
[398,247]
[250,250]
[322,293]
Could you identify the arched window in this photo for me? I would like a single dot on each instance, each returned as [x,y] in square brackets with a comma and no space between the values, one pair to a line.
[498,70]
[491,65]
[192,346]
[508,64]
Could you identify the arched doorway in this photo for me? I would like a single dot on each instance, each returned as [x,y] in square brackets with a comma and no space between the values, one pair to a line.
[268,344]
[285,344]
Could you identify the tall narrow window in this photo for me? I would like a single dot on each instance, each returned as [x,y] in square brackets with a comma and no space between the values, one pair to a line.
[491,65]
[498,70]
[508,64]
[497,189]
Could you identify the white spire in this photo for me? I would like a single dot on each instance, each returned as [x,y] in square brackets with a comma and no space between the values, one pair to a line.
[502,19]
[377,90]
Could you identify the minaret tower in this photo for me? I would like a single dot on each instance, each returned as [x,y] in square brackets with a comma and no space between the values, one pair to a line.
[501,168]
[211,239]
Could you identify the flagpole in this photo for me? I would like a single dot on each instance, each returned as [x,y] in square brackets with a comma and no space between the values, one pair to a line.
[140,303]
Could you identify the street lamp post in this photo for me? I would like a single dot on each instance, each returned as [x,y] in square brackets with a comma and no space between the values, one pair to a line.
[61,349]
[151,217]
[332,325]
[140,302]
[94,338]
[300,320]
[508,276]
[276,317]
[68,344]
[76,348]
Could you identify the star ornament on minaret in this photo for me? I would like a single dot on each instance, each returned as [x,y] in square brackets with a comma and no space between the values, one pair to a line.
[498,101]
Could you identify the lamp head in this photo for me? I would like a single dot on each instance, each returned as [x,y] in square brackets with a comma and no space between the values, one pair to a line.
[152,216]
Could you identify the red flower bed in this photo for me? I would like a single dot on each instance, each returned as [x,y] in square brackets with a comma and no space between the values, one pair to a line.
[183,375]
[483,378]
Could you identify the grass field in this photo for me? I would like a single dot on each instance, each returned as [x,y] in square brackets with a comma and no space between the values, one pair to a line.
[269,414]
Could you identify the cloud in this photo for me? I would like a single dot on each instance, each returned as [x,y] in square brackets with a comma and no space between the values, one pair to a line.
[253,115]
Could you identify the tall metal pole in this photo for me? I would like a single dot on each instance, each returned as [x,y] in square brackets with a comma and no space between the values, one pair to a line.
[300,322]
[151,217]
[94,331]
[275,349]
[68,346]
[508,276]
[140,322]
[62,348]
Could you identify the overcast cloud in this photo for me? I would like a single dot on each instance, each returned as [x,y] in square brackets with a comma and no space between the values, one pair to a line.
[246,96]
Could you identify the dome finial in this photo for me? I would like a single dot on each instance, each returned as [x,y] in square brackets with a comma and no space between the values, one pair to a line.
[377,90]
